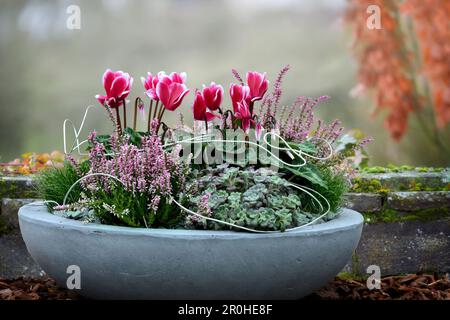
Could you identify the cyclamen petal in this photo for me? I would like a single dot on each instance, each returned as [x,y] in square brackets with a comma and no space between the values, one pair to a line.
[162,91]
[258,85]
[101,99]
[213,95]
[178,77]
[170,93]
[108,79]
[118,86]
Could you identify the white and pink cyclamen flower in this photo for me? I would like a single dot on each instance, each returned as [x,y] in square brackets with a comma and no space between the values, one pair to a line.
[117,87]
[169,89]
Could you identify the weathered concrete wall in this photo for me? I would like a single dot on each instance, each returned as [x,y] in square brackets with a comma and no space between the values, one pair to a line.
[407,225]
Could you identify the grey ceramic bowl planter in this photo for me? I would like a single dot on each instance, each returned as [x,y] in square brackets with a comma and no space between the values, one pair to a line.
[130,263]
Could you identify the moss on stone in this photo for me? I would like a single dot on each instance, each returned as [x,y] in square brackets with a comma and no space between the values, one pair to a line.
[391,215]
[364,185]
[354,273]
[403,168]
[367,184]
[344,275]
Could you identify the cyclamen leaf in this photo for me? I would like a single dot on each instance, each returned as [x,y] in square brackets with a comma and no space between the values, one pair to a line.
[307,146]
[310,173]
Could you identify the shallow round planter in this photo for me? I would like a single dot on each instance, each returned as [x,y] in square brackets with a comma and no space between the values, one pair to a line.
[134,263]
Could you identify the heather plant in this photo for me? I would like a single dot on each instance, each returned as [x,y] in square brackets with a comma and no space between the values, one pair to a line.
[145,180]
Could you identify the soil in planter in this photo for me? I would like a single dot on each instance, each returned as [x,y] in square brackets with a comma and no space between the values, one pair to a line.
[408,287]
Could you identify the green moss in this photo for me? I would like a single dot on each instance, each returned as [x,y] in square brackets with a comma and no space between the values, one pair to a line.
[391,215]
[354,274]
[376,169]
[344,275]
[363,185]
[393,168]
[406,168]
[366,185]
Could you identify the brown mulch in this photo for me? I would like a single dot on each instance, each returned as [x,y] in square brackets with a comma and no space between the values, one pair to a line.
[408,287]
[34,289]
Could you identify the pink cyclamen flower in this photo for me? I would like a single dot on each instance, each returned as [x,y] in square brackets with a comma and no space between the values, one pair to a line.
[150,83]
[201,112]
[238,94]
[213,95]
[117,86]
[244,115]
[258,85]
[170,93]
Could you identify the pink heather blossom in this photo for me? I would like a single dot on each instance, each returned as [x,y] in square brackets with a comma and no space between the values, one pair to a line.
[170,92]
[117,86]
[297,128]
[237,76]
[148,170]
[212,95]
[201,112]
[258,84]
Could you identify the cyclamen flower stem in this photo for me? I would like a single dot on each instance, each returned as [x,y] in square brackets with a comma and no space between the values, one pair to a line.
[206,125]
[119,125]
[161,112]
[124,113]
[150,116]
[135,113]
[160,117]
[156,108]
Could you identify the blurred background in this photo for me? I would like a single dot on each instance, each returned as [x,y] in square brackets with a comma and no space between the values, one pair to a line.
[49,72]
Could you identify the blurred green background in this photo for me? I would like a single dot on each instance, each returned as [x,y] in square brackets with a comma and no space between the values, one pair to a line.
[49,73]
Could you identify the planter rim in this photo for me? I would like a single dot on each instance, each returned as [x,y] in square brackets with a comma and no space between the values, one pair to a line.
[39,214]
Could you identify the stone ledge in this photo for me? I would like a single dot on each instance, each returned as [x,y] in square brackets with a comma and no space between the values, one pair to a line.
[403,181]
[419,200]
[403,247]
[17,187]
[10,208]
[364,202]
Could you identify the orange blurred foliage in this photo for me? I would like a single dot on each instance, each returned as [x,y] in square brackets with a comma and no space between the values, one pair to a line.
[432,23]
[387,65]
[32,162]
